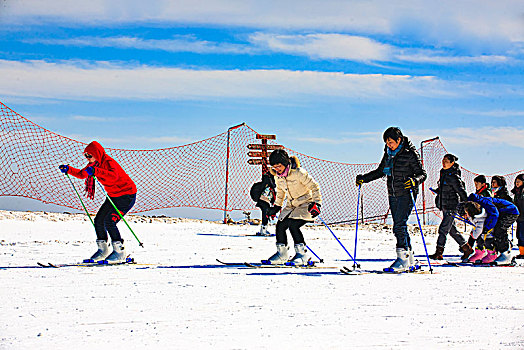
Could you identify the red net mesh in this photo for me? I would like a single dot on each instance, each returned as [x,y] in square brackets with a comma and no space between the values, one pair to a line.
[209,174]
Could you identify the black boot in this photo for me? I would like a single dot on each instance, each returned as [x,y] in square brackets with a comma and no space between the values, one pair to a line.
[438,254]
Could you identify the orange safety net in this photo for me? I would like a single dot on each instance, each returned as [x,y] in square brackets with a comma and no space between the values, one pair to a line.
[209,174]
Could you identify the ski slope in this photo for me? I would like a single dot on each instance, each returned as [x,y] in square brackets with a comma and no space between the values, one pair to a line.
[194,302]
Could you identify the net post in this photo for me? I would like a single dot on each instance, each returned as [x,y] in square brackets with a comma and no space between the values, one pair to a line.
[423,184]
[227,169]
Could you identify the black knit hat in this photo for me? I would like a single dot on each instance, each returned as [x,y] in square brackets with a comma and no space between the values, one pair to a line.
[279,156]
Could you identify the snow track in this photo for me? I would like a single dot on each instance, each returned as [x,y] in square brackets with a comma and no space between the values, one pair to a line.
[196,302]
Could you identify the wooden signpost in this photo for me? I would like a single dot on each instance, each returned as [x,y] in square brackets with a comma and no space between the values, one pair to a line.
[260,157]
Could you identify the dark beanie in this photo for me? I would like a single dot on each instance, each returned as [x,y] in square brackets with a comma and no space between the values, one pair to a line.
[279,156]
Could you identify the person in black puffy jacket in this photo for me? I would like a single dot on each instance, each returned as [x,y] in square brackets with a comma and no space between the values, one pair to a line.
[518,192]
[402,166]
[499,188]
[450,191]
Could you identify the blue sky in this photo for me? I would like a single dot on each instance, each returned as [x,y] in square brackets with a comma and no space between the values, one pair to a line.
[328,77]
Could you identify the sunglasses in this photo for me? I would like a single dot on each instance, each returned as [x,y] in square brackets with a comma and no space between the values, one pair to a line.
[88,156]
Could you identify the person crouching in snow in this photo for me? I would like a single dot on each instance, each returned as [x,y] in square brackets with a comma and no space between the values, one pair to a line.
[450,192]
[119,187]
[498,249]
[303,205]
[518,191]
[263,193]
[402,166]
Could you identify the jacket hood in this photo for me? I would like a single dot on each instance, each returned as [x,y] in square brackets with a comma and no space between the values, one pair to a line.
[95,149]
[295,163]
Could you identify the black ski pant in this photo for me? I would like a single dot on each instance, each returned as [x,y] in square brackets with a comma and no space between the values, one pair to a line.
[264,207]
[294,226]
[107,217]
[500,241]
[520,233]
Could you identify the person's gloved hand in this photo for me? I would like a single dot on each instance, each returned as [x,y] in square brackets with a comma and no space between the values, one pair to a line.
[64,168]
[274,210]
[410,183]
[90,170]
[314,209]
[359,180]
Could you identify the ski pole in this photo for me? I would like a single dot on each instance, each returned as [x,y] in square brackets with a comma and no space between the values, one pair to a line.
[355,263]
[420,227]
[81,201]
[320,260]
[118,211]
[466,221]
[356,229]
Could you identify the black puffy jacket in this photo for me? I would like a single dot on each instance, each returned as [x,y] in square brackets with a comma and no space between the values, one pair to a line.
[451,189]
[406,164]
[519,202]
[502,193]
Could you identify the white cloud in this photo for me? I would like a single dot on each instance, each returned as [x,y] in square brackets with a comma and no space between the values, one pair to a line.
[334,46]
[502,113]
[489,135]
[103,80]
[179,44]
[316,46]
[87,118]
[432,21]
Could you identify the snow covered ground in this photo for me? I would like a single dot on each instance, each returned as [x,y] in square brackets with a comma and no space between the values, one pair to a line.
[197,303]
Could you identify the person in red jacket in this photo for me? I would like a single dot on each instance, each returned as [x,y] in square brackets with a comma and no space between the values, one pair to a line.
[119,187]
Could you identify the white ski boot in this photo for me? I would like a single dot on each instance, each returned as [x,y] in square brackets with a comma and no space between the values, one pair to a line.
[280,257]
[503,259]
[414,264]
[402,262]
[263,231]
[102,252]
[119,253]
[301,257]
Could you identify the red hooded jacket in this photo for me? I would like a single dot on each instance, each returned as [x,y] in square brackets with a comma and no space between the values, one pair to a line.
[115,180]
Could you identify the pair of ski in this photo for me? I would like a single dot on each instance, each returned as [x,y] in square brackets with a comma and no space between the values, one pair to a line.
[265,264]
[87,263]
[350,271]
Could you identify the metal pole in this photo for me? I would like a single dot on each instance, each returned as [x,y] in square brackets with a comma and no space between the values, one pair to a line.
[227,169]
[227,176]
[423,184]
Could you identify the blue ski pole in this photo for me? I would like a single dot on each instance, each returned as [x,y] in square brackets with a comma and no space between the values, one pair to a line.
[355,263]
[356,228]
[312,252]
[420,227]
[464,220]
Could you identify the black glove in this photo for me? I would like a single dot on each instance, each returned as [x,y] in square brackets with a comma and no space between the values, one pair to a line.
[314,209]
[410,183]
[274,210]
[359,180]
[64,168]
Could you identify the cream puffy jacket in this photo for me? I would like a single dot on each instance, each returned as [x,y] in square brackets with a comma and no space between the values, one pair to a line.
[299,188]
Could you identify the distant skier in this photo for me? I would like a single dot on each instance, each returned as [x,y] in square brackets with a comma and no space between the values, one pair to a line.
[303,205]
[501,214]
[450,191]
[402,166]
[499,187]
[119,187]
[518,192]
[482,189]
[263,193]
